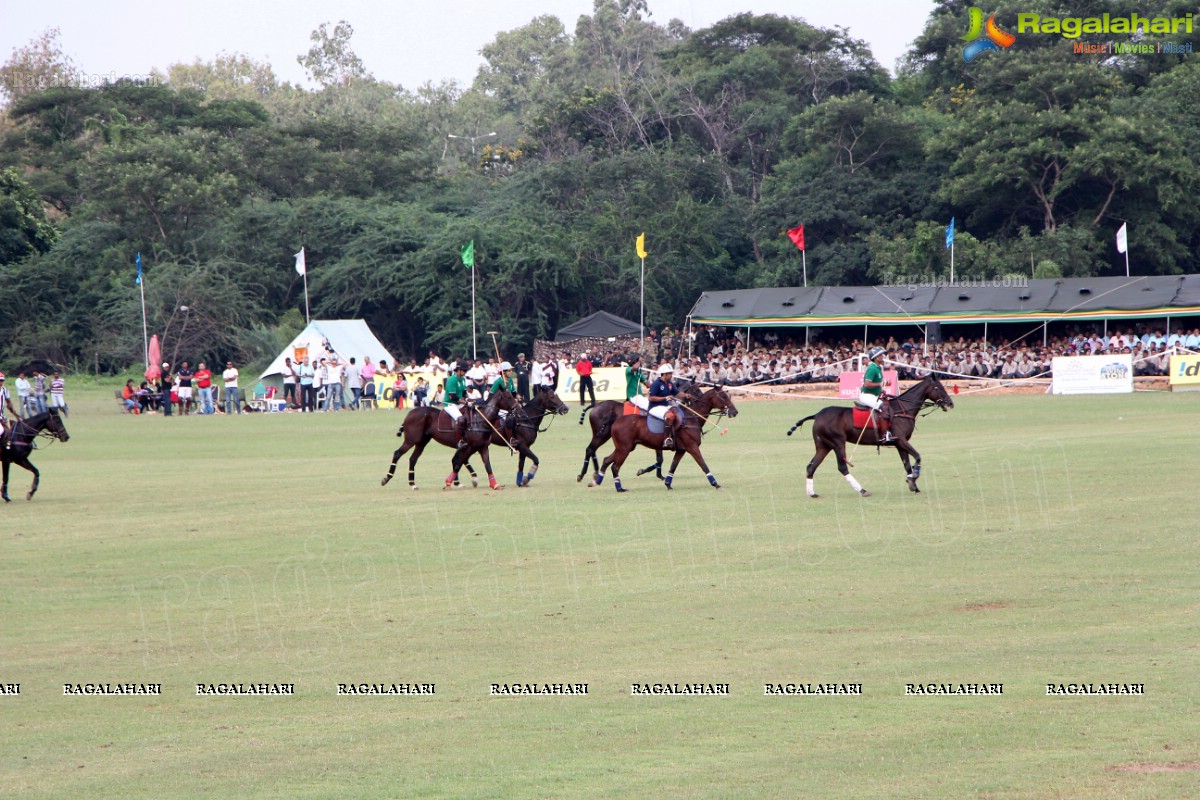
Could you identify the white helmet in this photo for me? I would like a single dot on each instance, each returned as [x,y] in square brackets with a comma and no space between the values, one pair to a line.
[666,369]
[505,366]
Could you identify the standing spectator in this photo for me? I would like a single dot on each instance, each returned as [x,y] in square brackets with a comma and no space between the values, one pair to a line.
[335,385]
[289,384]
[165,403]
[5,402]
[58,388]
[320,372]
[25,395]
[39,392]
[232,394]
[550,372]
[354,382]
[185,376]
[205,387]
[400,390]
[584,368]
[308,395]
[522,369]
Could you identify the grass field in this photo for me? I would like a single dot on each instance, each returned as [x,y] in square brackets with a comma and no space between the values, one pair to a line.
[1054,542]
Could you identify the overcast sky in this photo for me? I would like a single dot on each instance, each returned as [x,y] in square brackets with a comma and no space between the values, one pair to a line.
[407,42]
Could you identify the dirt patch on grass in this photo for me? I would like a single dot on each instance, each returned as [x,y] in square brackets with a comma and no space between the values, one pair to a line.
[1143,767]
[992,606]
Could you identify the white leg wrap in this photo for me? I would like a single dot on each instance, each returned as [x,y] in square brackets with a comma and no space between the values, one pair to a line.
[857,486]
[808,484]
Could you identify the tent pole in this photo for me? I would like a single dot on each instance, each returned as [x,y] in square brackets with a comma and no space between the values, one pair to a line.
[1045,331]
[985,334]
[806,330]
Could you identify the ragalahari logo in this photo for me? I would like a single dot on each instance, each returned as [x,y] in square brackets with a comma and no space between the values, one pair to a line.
[983,37]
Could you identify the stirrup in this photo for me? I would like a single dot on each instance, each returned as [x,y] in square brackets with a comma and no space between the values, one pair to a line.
[461,444]
[669,443]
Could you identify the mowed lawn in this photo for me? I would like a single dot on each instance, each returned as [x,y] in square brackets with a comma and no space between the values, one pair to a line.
[1054,542]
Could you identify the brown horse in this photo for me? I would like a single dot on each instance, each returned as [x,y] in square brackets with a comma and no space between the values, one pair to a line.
[18,443]
[602,417]
[833,426]
[425,424]
[630,431]
[522,425]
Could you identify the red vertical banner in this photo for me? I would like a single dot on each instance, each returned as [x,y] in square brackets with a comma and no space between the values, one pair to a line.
[797,236]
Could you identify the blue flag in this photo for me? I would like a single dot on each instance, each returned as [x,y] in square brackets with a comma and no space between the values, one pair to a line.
[950,234]
[139,263]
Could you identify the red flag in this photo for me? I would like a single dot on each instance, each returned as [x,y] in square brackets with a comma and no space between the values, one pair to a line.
[797,236]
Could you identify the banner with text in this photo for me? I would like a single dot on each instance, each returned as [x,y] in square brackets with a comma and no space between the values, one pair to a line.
[1185,369]
[850,384]
[1092,374]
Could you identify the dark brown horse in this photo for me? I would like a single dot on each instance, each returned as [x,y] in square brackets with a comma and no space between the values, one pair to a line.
[833,426]
[522,425]
[630,431]
[602,417]
[19,442]
[425,424]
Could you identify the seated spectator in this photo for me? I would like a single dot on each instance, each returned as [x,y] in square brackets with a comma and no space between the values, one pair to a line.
[129,397]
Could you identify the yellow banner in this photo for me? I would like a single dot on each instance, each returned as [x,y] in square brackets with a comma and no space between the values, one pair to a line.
[1184,369]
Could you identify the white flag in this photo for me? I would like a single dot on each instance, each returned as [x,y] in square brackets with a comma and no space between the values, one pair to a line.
[1122,240]
[300,268]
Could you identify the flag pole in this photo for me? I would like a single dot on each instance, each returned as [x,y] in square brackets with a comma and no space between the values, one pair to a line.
[640,248]
[307,318]
[145,330]
[804,264]
[474,339]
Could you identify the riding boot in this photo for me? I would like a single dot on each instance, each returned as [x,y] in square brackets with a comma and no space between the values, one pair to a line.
[885,418]
[672,433]
[462,432]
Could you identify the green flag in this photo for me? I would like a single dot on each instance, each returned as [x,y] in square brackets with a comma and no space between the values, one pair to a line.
[468,254]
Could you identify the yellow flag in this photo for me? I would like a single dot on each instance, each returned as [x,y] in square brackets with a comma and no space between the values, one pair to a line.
[641,246]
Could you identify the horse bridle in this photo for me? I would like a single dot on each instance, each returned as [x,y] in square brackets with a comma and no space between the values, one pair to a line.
[34,434]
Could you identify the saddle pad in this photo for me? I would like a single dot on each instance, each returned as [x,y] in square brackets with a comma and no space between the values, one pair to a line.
[861,417]
[655,425]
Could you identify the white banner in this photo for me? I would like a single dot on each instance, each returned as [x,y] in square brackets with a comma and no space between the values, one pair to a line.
[1092,374]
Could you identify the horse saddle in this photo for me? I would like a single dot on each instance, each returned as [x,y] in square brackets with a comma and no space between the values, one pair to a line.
[863,418]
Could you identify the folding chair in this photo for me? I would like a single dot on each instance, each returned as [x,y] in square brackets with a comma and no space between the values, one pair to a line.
[368,396]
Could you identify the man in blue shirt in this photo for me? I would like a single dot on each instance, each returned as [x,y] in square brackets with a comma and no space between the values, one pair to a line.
[662,394]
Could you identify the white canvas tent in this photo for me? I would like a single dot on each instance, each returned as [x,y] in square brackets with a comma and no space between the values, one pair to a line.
[345,338]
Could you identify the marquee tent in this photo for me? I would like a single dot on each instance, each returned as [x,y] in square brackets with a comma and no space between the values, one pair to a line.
[599,325]
[344,338]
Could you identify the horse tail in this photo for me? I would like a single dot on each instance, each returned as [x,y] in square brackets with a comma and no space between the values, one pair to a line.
[792,429]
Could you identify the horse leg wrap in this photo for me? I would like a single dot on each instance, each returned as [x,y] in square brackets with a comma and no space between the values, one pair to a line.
[667,480]
[451,479]
[711,478]
[808,487]
[617,485]
[857,486]
[492,481]
[916,473]
[529,475]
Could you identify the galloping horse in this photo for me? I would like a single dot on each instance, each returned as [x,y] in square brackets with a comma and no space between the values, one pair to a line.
[21,438]
[602,417]
[424,424]
[833,426]
[630,431]
[527,420]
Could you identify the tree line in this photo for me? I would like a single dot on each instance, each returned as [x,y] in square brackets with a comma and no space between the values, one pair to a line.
[714,142]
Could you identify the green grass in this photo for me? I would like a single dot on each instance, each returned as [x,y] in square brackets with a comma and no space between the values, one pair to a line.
[1054,542]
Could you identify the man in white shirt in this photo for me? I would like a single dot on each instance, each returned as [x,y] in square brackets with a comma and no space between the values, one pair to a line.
[230,376]
[335,384]
[354,382]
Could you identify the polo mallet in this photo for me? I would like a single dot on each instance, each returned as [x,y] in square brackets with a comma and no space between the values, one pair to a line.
[707,421]
[493,335]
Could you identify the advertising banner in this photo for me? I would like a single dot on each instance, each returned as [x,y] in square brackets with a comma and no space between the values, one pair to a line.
[850,384]
[1184,371]
[1092,374]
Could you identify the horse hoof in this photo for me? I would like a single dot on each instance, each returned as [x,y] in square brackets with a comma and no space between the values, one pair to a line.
[29,496]
[622,489]
[814,496]
[413,487]
[668,486]
[591,484]
[474,483]
[385,480]
[864,493]
[716,486]
[579,479]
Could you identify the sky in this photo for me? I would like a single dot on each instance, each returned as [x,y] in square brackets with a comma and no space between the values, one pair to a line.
[405,42]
